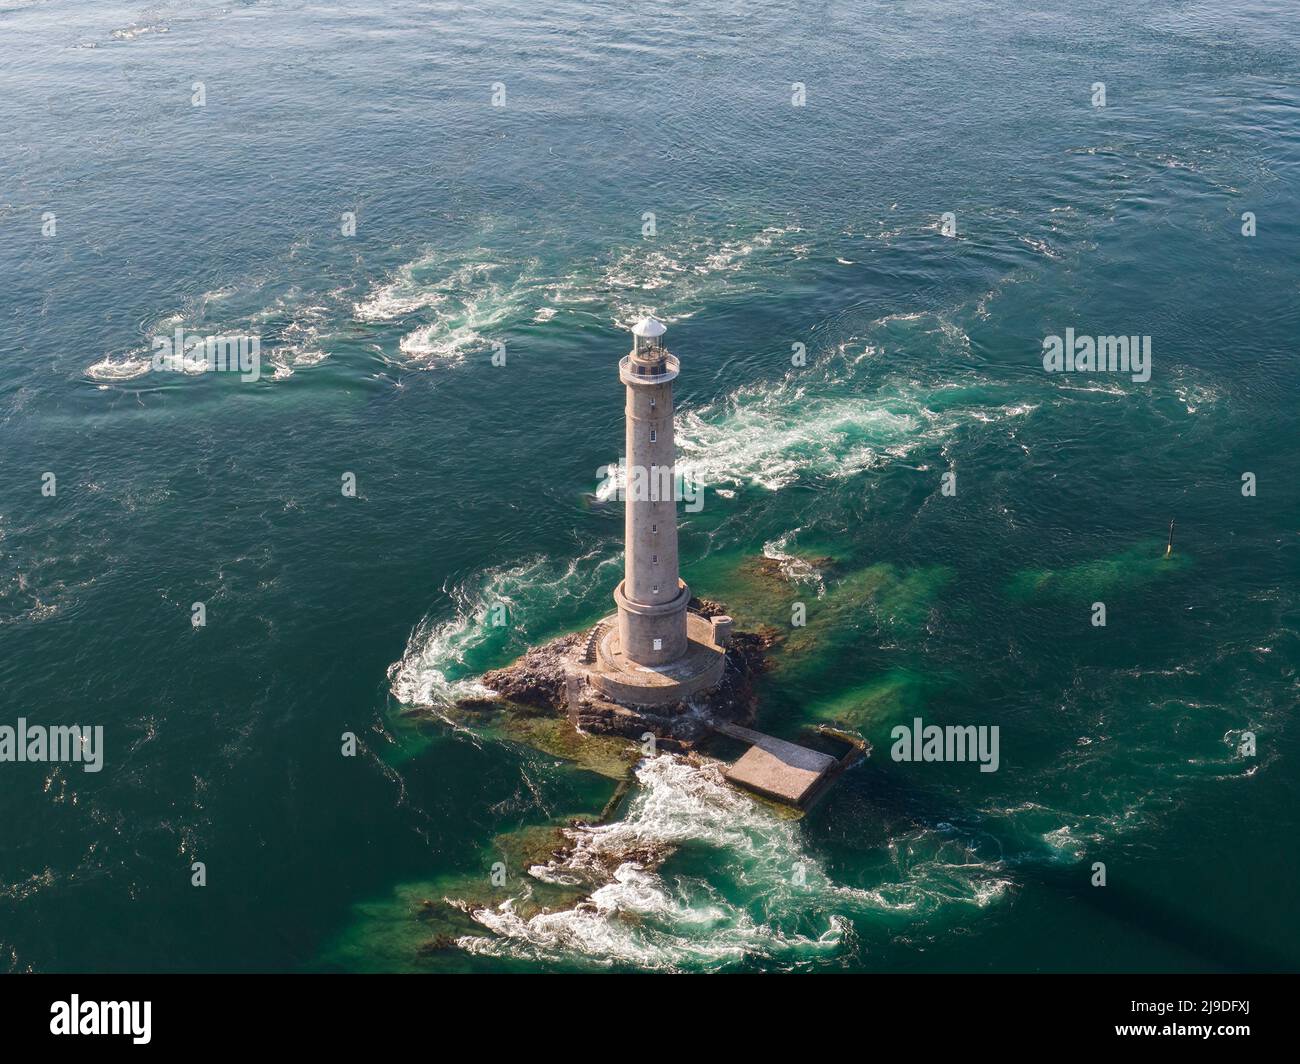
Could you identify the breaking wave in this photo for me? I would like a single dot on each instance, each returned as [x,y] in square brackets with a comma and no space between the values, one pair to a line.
[868,401]
[444,652]
[754,892]
[454,303]
[674,278]
[126,368]
[291,328]
[467,301]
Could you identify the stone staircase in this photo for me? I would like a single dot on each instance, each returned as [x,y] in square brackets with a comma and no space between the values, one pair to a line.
[593,641]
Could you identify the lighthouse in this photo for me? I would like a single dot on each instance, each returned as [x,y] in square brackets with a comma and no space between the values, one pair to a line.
[666,665]
[655,650]
[651,597]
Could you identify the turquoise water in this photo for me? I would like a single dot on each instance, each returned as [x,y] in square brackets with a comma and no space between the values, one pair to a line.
[774,225]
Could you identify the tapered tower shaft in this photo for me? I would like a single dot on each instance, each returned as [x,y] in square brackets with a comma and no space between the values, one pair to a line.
[651,598]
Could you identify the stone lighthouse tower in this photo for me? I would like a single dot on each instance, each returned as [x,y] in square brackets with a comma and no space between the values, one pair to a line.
[651,598]
[654,651]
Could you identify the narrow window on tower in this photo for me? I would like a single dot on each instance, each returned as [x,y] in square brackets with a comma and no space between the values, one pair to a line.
[656,590]
[652,402]
[654,530]
[653,435]
[659,644]
[654,559]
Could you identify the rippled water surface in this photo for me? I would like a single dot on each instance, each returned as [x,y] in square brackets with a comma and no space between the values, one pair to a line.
[774,225]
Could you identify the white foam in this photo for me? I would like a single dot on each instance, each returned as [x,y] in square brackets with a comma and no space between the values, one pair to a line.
[768,438]
[128,368]
[793,568]
[433,670]
[765,896]
[467,304]
[671,277]
[400,296]
[298,344]
[852,410]
[435,648]
[131,33]
[1041,246]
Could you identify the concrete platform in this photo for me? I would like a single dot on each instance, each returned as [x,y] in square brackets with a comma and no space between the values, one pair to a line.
[626,682]
[776,768]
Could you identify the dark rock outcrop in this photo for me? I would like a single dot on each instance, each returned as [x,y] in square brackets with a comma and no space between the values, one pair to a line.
[538,680]
[437,944]
[707,608]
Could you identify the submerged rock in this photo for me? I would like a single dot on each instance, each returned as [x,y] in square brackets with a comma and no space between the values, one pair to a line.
[437,944]
[792,568]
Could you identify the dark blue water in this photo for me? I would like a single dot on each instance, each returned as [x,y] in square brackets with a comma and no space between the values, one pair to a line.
[774,225]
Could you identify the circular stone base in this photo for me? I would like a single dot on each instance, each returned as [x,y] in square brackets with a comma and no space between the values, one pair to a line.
[625,681]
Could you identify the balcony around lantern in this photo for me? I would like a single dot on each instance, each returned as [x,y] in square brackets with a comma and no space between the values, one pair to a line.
[631,372]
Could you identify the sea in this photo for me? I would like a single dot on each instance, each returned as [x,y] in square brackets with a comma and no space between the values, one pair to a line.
[861,223]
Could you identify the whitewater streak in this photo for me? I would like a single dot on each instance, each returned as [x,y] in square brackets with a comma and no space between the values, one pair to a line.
[437,666]
[765,896]
[640,916]
[762,895]
[816,423]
